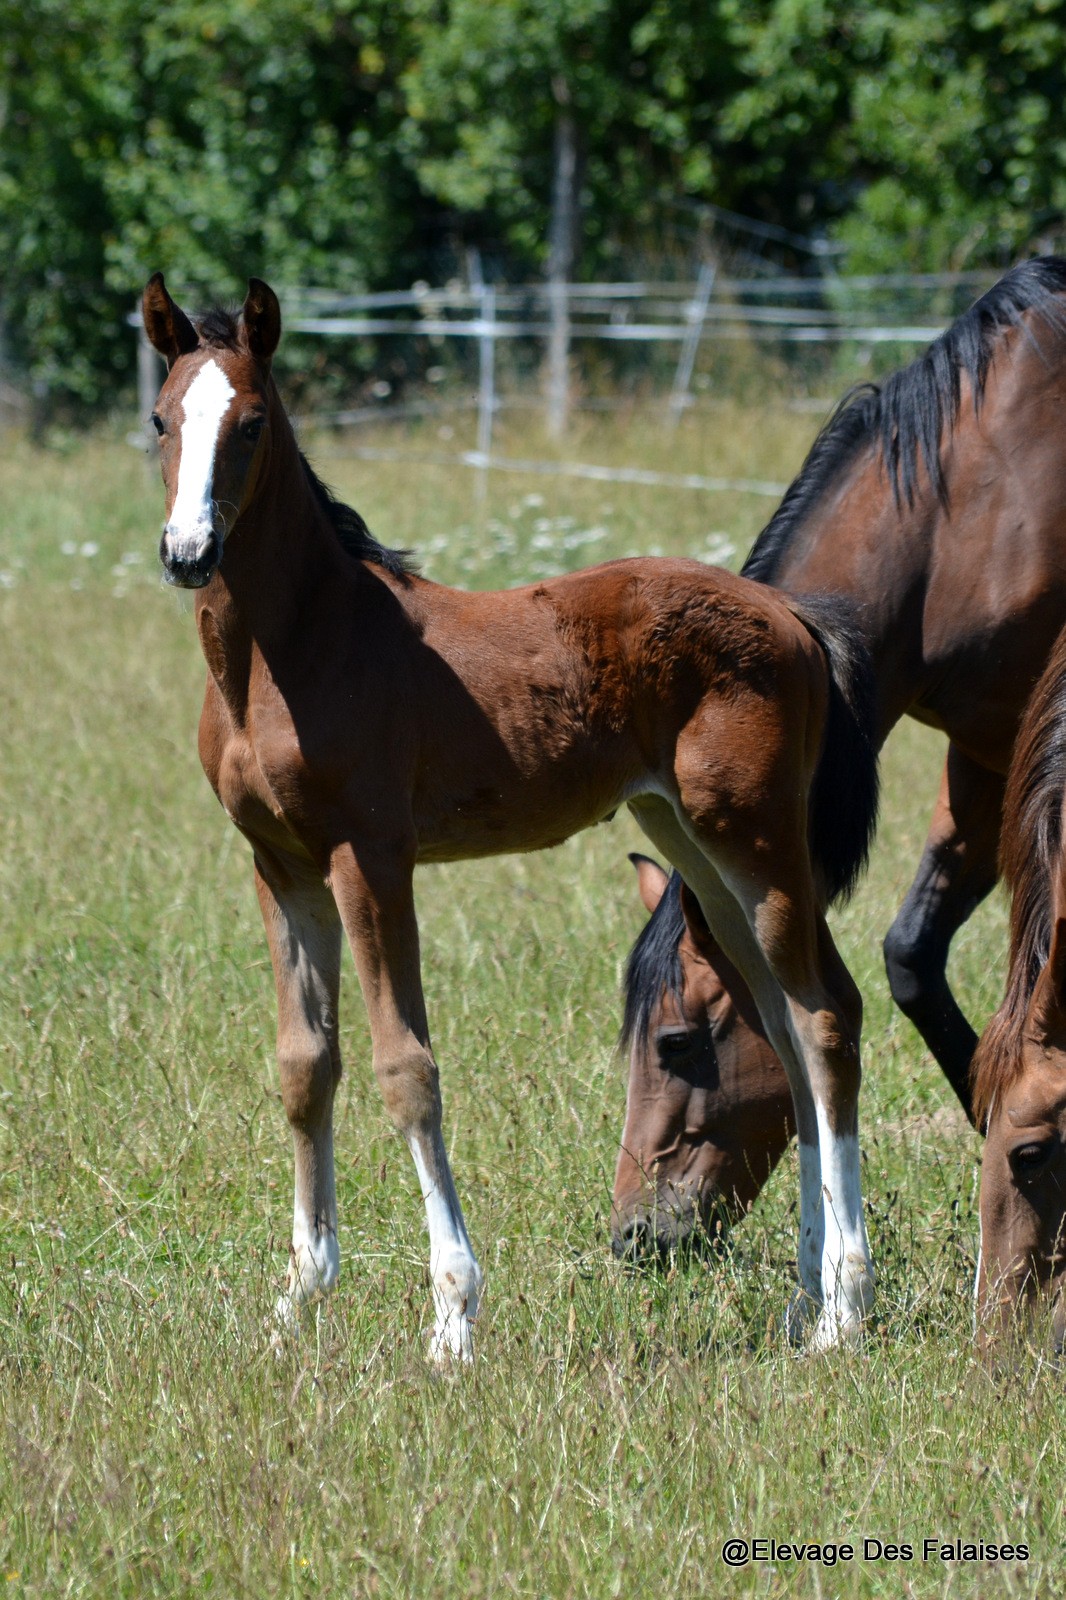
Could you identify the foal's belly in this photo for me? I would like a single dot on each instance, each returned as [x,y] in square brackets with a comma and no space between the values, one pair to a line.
[486,821]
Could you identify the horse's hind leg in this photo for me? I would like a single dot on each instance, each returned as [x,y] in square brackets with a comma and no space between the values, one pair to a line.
[731,928]
[956,872]
[373,890]
[304,933]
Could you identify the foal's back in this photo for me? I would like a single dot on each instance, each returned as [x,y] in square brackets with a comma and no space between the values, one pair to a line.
[539,710]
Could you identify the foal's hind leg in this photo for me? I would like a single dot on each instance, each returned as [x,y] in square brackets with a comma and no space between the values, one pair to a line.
[762,907]
[732,930]
[373,890]
[824,1019]
[304,933]
[956,872]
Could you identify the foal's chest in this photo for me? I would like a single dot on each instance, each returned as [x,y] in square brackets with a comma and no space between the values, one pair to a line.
[236,773]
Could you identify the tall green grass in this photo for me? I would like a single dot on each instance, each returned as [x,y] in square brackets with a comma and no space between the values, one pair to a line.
[619,1427]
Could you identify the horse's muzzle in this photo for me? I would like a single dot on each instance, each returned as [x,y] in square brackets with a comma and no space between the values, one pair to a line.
[189,563]
[654,1235]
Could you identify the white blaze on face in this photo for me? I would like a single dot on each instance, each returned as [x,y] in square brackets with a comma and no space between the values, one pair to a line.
[204,406]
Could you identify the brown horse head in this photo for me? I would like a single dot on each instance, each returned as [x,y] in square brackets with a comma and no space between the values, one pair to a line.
[709,1109]
[210,417]
[1022,1269]
[1020,1065]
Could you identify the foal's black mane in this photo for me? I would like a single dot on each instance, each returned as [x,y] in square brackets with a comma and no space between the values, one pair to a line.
[222,330]
[909,413]
[1031,860]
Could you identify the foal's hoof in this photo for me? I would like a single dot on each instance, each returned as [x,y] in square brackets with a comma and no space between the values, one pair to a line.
[456,1292]
[831,1332]
[451,1345]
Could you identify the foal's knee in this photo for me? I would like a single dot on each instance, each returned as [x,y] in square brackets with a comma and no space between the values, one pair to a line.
[309,1073]
[410,1086]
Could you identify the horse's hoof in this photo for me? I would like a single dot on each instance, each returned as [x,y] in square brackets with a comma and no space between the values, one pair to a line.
[801,1313]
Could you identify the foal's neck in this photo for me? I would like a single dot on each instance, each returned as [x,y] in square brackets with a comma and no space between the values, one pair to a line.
[279,556]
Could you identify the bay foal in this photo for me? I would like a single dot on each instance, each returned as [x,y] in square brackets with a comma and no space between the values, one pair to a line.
[358,719]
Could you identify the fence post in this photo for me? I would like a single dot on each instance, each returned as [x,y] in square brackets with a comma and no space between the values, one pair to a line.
[695,316]
[486,402]
[562,253]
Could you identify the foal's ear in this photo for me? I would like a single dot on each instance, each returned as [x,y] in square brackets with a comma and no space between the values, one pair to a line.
[651,879]
[1047,1010]
[695,921]
[261,320]
[168,328]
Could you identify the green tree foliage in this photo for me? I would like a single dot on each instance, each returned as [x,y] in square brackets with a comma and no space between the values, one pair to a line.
[925,135]
[339,142]
[215,140]
[645,83]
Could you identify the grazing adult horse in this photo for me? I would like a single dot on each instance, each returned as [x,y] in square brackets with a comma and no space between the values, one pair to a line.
[937,504]
[1020,1065]
[359,719]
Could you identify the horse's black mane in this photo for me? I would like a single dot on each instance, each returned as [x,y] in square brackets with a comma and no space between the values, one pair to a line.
[1031,862]
[654,964]
[909,413]
[221,329]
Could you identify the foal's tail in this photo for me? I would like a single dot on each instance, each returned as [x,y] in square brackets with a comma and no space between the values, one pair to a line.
[844,794]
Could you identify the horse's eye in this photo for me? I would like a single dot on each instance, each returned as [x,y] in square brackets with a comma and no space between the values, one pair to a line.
[675,1043]
[1028,1159]
[253,428]
[158,424]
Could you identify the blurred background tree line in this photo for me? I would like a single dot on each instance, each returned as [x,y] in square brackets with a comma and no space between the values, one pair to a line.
[362,144]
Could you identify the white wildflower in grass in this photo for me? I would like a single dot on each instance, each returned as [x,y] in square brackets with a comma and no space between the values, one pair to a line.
[90,548]
[7,580]
[718,548]
[68,547]
[581,537]
[130,558]
[533,502]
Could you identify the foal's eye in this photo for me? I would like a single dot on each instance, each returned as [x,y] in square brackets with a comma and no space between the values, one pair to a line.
[253,428]
[675,1043]
[158,423]
[1027,1159]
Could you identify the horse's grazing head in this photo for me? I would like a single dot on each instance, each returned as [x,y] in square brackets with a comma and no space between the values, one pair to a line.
[210,416]
[1021,1089]
[708,1110]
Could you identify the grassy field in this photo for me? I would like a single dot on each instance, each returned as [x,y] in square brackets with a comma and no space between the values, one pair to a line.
[619,1428]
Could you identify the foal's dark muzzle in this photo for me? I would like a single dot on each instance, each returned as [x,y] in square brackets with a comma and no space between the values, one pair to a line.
[188,565]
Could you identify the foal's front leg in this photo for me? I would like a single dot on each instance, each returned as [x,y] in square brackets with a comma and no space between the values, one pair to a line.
[304,933]
[374,892]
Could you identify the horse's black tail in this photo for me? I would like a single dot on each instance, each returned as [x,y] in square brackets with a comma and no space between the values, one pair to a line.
[844,795]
